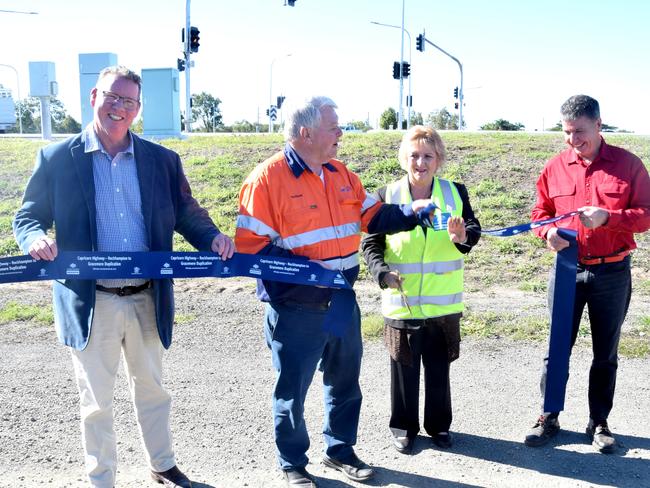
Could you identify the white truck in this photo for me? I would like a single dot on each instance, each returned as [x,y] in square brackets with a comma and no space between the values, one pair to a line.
[7,110]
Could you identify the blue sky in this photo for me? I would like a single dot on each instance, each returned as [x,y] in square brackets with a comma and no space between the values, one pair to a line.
[521,59]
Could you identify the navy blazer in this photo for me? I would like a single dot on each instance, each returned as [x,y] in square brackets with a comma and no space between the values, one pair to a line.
[61,193]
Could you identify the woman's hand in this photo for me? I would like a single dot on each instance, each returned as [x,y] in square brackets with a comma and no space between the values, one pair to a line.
[456,230]
[392,279]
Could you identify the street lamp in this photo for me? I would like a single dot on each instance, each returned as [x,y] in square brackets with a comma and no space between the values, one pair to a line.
[20,106]
[271,91]
[408,121]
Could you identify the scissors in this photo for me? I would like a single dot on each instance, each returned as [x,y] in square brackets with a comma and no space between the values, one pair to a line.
[401,292]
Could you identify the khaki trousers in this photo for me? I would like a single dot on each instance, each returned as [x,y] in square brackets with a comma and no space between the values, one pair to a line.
[122,326]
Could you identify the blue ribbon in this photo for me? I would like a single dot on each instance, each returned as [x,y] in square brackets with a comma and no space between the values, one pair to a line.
[557,370]
[559,350]
[156,265]
[518,229]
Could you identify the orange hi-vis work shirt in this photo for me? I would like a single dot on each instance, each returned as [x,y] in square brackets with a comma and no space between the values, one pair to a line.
[286,209]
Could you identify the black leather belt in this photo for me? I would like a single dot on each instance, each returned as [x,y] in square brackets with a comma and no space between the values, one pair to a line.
[124,291]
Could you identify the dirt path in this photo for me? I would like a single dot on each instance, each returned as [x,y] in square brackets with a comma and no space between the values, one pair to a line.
[219,374]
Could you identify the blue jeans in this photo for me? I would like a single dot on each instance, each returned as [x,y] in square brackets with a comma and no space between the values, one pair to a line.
[298,343]
[606,290]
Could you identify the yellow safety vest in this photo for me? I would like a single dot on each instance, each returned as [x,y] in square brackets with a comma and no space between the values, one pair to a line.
[430,264]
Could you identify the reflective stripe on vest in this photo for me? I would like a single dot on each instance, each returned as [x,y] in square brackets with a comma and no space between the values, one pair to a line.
[455,298]
[430,265]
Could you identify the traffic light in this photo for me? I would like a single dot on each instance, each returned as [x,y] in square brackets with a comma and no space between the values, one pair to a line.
[194,39]
[406,69]
[396,70]
[180,63]
[280,100]
[419,42]
[456,105]
[456,93]
[267,112]
[291,3]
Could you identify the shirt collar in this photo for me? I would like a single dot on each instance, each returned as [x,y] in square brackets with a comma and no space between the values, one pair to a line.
[92,142]
[297,164]
[604,153]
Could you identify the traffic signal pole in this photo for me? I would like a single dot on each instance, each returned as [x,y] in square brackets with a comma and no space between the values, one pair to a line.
[461,95]
[186,52]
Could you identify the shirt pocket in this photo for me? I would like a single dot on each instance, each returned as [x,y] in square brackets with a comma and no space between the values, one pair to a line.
[613,194]
[563,196]
[300,219]
[350,210]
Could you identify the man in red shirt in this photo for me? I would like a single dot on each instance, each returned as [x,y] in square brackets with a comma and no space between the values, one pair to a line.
[611,188]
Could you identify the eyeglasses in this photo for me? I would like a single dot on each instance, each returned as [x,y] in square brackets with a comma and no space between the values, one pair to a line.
[128,103]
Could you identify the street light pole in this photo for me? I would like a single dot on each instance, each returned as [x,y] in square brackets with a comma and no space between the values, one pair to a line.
[20,105]
[271,90]
[408,122]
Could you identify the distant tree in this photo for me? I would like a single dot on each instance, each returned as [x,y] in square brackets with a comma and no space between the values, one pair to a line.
[31,115]
[205,108]
[360,125]
[388,119]
[609,128]
[416,118]
[138,126]
[502,124]
[62,123]
[243,126]
[67,126]
[442,119]
[604,128]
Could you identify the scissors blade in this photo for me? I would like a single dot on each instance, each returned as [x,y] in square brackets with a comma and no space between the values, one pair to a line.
[404,299]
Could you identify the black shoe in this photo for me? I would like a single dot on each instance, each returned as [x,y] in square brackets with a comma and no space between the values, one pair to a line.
[172,478]
[443,440]
[544,429]
[601,437]
[352,467]
[299,478]
[404,445]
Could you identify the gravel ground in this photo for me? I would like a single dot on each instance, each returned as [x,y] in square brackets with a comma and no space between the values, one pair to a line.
[219,374]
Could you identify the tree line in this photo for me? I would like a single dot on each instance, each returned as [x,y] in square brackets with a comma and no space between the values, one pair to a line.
[207,116]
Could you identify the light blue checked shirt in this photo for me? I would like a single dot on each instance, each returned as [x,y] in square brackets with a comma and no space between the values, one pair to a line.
[120,223]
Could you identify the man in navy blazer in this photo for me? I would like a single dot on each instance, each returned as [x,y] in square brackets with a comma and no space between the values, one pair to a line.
[108,190]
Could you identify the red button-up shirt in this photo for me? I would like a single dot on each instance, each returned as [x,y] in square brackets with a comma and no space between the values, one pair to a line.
[616,180]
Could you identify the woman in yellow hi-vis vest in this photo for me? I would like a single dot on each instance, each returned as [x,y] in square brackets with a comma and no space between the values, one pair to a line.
[421,274]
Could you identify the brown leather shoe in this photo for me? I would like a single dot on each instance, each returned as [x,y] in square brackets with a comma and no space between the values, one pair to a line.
[172,478]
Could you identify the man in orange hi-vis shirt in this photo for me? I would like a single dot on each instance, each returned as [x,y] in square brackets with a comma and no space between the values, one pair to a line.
[303,202]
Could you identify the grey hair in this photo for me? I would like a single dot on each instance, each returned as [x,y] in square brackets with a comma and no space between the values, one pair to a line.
[121,72]
[305,114]
[580,106]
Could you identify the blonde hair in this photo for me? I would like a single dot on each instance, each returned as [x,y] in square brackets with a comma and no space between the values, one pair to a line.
[427,135]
